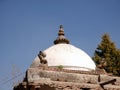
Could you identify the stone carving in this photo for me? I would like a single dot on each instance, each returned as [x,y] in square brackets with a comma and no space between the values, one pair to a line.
[42,56]
[61,37]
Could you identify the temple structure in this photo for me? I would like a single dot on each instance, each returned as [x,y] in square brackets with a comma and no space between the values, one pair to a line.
[66,67]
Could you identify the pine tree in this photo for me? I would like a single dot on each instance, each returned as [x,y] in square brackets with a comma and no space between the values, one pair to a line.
[108,52]
[117,63]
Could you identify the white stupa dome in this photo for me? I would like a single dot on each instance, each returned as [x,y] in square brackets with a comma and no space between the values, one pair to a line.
[66,55]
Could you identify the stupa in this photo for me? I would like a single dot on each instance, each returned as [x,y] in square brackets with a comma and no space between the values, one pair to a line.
[66,67]
[64,54]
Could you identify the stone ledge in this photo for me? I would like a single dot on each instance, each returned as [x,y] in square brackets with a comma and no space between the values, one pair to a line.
[57,85]
[38,74]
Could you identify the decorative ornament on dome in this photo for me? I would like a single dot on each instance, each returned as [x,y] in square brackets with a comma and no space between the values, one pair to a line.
[61,37]
[42,56]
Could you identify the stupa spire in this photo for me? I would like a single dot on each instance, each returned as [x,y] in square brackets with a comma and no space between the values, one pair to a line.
[61,37]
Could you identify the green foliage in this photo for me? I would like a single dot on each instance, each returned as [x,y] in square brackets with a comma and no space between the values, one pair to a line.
[107,50]
[60,67]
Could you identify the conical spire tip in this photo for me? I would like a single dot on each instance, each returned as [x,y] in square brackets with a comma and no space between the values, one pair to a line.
[61,26]
[61,38]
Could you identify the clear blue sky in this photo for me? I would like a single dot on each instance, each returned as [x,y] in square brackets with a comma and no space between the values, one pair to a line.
[28,26]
